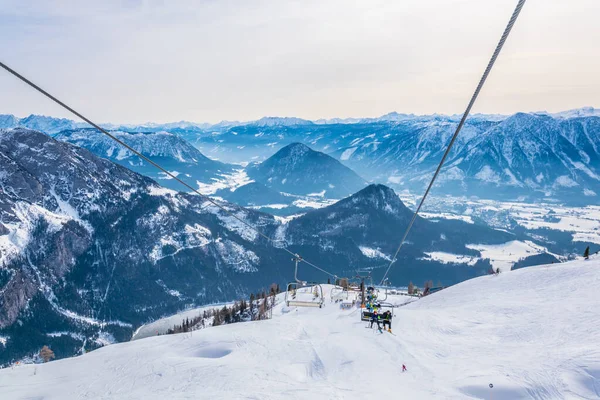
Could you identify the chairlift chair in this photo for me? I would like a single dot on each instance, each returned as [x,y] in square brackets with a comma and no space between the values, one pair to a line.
[366,315]
[302,293]
[347,304]
[338,293]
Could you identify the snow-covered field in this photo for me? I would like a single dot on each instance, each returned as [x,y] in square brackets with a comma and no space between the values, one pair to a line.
[502,256]
[231,181]
[161,326]
[582,222]
[533,333]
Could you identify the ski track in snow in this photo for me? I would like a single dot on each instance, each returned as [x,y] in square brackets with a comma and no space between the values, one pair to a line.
[532,332]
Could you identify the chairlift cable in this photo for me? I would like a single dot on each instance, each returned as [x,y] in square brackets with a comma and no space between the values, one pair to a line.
[507,30]
[154,164]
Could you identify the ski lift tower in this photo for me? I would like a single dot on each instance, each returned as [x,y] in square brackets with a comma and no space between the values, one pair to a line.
[362,287]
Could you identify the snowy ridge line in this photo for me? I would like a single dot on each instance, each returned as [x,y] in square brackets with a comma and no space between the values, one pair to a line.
[154,164]
[507,30]
[150,127]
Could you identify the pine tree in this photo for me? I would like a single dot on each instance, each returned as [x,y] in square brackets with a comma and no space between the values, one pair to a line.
[411,288]
[262,311]
[226,314]
[329,281]
[217,319]
[235,311]
[251,305]
[46,354]
[586,253]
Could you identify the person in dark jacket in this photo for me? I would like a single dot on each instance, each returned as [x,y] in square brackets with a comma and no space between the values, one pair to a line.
[387,320]
[375,318]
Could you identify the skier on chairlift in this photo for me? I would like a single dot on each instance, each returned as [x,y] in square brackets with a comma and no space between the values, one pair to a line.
[375,318]
[387,320]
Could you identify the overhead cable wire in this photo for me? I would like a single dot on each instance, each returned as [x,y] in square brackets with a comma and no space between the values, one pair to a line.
[507,30]
[154,164]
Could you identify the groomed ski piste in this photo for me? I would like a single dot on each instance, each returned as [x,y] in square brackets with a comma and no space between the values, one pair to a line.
[533,333]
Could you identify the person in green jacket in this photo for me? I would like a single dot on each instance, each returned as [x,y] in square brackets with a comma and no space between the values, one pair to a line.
[387,320]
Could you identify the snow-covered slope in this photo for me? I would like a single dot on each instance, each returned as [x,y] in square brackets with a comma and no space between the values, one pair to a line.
[532,333]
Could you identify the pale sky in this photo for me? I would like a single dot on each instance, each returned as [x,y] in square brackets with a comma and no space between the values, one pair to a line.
[204,61]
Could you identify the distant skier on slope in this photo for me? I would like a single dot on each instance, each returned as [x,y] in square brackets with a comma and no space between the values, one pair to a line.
[403,368]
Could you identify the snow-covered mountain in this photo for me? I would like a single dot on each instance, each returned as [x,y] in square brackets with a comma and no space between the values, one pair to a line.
[298,169]
[93,249]
[531,333]
[88,246]
[52,125]
[524,156]
[531,153]
[280,121]
[531,156]
[399,150]
[370,224]
[42,123]
[578,112]
[8,121]
[167,149]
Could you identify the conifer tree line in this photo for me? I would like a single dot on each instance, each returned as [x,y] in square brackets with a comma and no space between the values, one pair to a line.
[258,307]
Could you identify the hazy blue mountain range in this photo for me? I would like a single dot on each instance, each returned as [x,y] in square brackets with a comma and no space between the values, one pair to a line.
[527,156]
